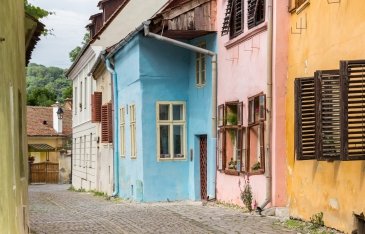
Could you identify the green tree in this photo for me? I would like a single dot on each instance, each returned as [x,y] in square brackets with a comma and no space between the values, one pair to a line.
[41,97]
[75,52]
[37,13]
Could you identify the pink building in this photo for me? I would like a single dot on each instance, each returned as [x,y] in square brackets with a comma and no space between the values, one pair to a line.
[251,114]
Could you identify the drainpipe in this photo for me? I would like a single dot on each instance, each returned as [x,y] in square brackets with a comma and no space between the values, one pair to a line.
[268,163]
[214,71]
[115,131]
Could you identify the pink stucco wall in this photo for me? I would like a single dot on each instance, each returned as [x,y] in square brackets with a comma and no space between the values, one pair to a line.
[242,73]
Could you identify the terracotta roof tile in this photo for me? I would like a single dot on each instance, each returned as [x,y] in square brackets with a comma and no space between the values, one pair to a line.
[40,121]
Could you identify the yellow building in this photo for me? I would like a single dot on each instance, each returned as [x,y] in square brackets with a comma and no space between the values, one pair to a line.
[17,39]
[326,113]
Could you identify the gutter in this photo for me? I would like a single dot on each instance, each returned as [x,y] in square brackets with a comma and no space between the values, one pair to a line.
[212,54]
[115,121]
[268,163]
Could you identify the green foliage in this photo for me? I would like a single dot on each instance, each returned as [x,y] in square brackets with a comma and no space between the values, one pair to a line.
[306,227]
[317,219]
[232,118]
[37,13]
[246,195]
[46,85]
[75,52]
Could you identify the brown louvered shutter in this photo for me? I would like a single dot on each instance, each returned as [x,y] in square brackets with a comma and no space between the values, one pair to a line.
[353,109]
[106,123]
[305,118]
[236,21]
[328,108]
[96,100]
[227,17]
[221,116]
[110,122]
[255,13]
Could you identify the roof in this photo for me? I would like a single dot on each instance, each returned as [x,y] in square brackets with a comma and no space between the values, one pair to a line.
[40,148]
[40,121]
[33,31]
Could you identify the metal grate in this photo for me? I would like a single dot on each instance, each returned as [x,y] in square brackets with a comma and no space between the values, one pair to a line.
[305,118]
[353,112]
[203,167]
[328,115]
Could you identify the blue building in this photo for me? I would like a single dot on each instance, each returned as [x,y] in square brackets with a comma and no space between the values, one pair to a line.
[164,118]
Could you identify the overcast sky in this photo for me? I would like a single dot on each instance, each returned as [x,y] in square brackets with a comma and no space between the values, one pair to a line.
[68,26]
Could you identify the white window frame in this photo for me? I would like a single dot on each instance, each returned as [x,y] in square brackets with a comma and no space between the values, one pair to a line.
[200,66]
[170,123]
[122,132]
[132,125]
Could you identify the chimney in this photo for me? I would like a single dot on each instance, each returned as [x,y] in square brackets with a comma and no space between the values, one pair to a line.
[57,117]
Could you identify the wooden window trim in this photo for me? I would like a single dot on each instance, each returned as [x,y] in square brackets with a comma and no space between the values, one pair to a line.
[132,125]
[221,113]
[252,98]
[122,132]
[200,67]
[297,6]
[262,149]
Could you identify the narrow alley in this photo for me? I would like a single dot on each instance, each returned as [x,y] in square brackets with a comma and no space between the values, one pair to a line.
[54,209]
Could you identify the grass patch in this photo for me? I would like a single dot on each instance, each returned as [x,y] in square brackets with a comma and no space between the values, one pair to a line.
[306,227]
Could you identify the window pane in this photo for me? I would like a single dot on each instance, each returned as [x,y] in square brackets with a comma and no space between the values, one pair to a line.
[178,112]
[251,112]
[231,149]
[178,141]
[257,109]
[164,141]
[164,111]
[262,107]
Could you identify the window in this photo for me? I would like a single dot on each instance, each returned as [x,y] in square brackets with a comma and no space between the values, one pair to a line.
[171,130]
[256,109]
[255,13]
[75,104]
[85,93]
[200,68]
[132,119]
[122,132]
[329,114]
[240,149]
[96,100]
[81,97]
[106,123]
[233,20]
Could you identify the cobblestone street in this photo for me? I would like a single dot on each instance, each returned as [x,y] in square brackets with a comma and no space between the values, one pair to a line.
[53,209]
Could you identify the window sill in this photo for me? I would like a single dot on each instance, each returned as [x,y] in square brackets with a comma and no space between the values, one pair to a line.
[246,36]
[236,173]
[231,172]
[302,7]
[170,159]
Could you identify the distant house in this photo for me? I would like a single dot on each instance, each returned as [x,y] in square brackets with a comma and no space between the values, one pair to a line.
[164,102]
[19,34]
[49,140]
[93,147]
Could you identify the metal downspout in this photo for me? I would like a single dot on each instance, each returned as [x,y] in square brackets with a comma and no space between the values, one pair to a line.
[268,162]
[214,73]
[115,128]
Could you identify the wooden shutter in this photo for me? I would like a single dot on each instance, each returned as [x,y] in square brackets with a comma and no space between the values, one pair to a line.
[262,145]
[96,100]
[221,154]
[106,123]
[328,108]
[305,118]
[255,13]
[352,75]
[227,17]
[236,20]
[239,149]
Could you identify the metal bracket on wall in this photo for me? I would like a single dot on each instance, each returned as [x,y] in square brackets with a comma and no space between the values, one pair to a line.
[332,2]
[252,46]
[300,27]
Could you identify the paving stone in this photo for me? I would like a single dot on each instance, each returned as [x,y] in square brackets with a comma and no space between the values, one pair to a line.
[53,209]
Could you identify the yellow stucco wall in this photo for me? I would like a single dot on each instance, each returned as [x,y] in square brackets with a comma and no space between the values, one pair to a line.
[13,164]
[333,32]
[55,142]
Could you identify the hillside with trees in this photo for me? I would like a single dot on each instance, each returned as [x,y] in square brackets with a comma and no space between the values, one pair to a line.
[46,85]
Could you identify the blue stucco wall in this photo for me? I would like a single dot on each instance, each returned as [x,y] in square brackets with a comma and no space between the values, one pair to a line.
[149,71]
[127,66]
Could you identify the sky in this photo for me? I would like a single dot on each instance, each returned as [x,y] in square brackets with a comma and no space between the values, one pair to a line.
[68,26]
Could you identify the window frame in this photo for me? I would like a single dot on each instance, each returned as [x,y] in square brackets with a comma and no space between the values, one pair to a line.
[122,132]
[200,67]
[250,115]
[132,127]
[171,123]
[253,15]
